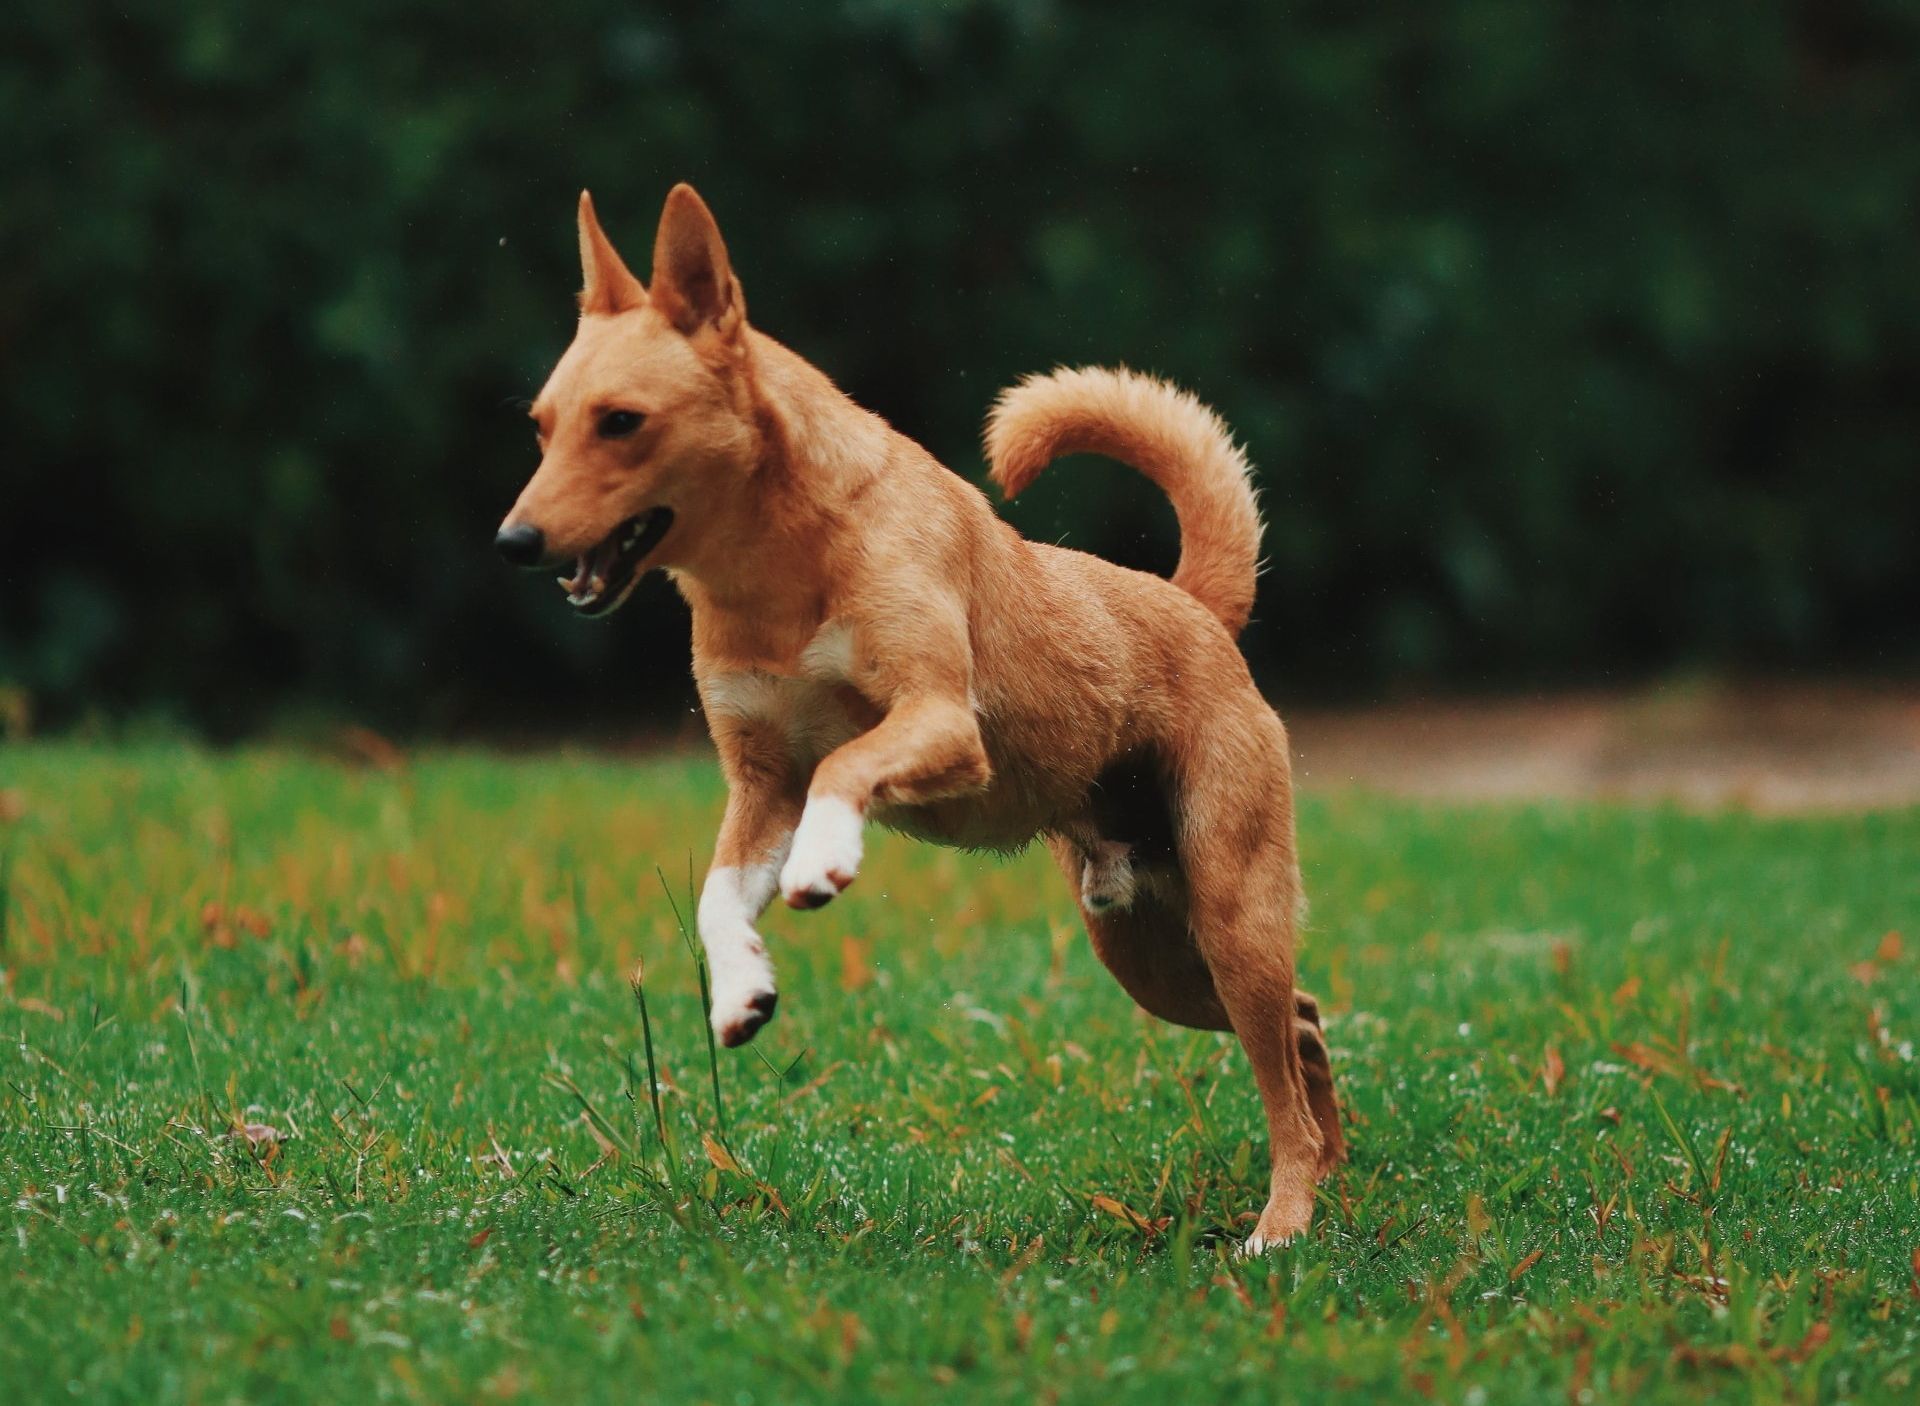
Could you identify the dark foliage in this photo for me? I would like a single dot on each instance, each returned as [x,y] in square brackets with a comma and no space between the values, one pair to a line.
[1567,338]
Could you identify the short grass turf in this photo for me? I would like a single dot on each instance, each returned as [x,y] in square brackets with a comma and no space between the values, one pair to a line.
[1631,1094]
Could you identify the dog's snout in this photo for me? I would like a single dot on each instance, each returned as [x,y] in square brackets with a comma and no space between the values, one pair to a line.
[521,543]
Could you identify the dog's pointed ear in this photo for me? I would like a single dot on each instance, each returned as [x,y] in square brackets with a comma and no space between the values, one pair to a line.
[693,283]
[606,284]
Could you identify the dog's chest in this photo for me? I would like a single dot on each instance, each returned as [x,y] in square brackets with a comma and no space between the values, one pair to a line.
[817,708]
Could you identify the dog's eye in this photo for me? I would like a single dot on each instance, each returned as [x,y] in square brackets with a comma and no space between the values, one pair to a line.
[618,424]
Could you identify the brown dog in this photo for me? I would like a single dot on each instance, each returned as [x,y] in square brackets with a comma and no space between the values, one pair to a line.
[871,642]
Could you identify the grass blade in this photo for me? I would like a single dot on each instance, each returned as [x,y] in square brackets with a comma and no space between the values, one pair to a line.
[706,995]
[638,981]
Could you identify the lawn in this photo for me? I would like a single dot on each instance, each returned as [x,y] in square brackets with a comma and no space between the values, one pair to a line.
[326,1083]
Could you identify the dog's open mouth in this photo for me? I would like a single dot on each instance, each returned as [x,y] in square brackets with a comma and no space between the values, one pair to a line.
[604,577]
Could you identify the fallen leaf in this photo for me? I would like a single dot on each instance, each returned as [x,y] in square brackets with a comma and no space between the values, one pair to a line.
[719,1155]
[1478,1221]
[1890,948]
[480,1239]
[1526,1264]
[600,1139]
[1815,1339]
[1645,1056]
[1553,1070]
[1119,1210]
[856,973]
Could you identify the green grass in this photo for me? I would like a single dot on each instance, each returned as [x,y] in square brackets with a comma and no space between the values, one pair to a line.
[1632,1106]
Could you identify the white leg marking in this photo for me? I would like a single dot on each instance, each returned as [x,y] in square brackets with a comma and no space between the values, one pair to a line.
[826,853]
[1257,1244]
[743,992]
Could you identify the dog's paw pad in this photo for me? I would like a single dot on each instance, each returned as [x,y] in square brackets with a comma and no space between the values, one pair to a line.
[740,1021]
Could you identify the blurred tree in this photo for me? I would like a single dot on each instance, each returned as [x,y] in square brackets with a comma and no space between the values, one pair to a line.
[1567,339]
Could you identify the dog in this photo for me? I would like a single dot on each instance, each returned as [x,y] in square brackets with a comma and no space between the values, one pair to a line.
[871,642]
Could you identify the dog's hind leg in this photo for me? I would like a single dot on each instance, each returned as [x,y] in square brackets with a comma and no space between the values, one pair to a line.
[1149,948]
[1236,849]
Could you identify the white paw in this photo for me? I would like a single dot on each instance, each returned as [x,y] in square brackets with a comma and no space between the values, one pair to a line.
[743,993]
[825,855]
[741,978]
[741,1005]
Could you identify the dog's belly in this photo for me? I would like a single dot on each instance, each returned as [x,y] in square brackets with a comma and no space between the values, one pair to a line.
[1030,795]
[984,821]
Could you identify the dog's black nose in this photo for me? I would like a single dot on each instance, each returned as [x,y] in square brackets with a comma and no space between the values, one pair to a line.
[521,544]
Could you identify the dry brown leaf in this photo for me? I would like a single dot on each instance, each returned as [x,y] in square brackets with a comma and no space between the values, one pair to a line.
[1815,1339]
[1526,1264]
[1890,948]
[1645,1056]
[719,1155]
[1478,1221]
[1553,1070]
[600,1139]
[1119,1210]
[856,973]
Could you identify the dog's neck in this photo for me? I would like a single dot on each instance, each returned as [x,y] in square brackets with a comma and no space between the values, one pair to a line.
[764,574]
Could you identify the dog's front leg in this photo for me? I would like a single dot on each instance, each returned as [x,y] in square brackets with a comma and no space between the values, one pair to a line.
[926,748]
[763,806]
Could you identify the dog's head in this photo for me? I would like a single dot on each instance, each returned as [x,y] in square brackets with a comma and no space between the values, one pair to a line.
[646,426]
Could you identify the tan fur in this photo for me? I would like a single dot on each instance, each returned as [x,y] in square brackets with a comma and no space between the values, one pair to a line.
[871,641]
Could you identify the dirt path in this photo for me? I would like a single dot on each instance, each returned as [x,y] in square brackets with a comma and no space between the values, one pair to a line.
[1770,747]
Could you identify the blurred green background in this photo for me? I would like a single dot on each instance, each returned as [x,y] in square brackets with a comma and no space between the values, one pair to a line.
[1571,341]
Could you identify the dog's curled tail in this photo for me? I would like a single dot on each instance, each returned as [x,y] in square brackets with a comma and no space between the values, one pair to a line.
[1166,434]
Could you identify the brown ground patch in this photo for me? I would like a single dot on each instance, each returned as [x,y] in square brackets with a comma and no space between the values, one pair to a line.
[1766,747]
